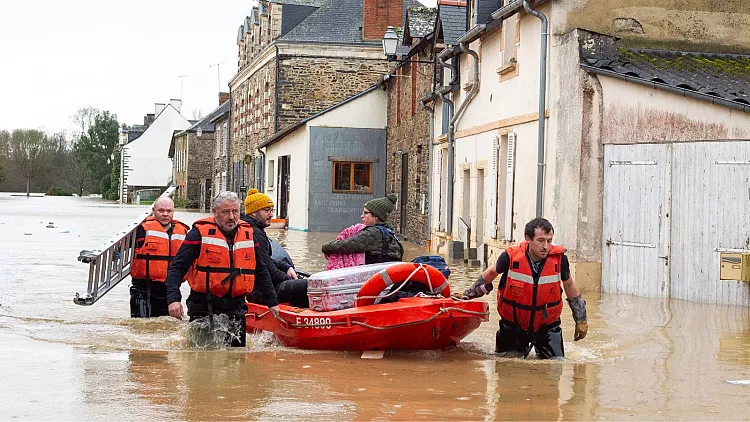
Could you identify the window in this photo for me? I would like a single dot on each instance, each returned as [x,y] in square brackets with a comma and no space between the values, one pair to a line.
[352,177]
[271,173]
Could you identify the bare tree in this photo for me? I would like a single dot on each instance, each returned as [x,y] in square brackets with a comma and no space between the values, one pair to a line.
[197,114]
[27,147]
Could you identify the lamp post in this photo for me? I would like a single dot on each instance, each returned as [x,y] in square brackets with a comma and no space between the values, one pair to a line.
[390,40]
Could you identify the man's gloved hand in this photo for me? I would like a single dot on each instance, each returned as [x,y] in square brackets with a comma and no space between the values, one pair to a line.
[479,288]
[578,306]
[581,329]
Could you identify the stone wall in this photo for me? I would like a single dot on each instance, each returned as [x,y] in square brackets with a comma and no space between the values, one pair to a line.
[408,133]
[689,25]
[308,85]
[201,158]
[252,121]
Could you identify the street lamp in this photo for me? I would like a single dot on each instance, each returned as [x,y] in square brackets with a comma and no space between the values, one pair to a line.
[390,40]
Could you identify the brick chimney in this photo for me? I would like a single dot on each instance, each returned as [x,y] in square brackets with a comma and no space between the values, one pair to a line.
[379,15]
[223,97]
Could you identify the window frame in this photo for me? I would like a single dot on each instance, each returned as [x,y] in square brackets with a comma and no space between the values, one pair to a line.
[351,176]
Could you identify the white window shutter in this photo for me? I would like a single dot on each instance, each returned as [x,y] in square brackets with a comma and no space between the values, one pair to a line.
[510,172]
[491,228]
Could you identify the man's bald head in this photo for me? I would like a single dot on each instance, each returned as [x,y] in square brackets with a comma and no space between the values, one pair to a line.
[163,210]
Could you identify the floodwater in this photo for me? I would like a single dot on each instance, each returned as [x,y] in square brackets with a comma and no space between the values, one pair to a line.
[643,358]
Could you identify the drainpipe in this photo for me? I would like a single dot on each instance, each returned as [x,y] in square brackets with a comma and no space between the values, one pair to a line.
[431,96]
[229,144]
[542,95]
[449,177]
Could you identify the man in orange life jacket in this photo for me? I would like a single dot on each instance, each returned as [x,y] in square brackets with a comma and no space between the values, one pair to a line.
[157,240]
[219,258]
[529,296]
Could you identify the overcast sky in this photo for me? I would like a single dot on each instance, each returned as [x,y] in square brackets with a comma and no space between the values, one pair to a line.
[59,56]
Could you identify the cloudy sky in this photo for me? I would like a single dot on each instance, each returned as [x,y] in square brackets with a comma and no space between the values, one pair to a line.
[59,56]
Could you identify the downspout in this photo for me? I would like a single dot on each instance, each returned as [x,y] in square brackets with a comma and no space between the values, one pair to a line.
[229,144]
[423,102]
[449,176]
[464,104]
[542,95]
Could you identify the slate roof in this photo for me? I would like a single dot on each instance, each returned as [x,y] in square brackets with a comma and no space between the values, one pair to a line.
[336,21]
[316,3]
[205,124]
[453,23]
[724,76]
[421,20]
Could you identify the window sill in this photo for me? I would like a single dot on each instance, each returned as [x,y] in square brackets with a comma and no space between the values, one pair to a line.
[508,68]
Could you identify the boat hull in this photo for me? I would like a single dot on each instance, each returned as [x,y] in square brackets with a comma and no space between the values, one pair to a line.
[414,323]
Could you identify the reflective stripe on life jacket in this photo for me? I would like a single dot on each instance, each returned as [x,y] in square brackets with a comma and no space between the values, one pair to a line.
[153,257]
[223,265]
[528,302]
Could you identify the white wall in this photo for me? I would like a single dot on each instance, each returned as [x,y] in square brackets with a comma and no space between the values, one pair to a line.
[662,114]
[367,112]
[148,162]
[297,145]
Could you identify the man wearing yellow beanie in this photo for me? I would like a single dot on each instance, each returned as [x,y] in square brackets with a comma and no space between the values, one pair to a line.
[259,212]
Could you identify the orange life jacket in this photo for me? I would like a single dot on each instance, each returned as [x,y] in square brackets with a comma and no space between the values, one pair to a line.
[526,300]
[152,259]
[223,265]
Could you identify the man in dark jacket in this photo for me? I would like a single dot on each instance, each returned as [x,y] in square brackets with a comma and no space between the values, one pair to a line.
[218,253]
[377,240]
[289,289]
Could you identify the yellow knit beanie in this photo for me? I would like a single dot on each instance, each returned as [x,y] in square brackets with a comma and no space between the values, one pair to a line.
[256,201]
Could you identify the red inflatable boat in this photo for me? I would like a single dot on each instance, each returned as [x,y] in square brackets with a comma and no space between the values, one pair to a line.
[416,323]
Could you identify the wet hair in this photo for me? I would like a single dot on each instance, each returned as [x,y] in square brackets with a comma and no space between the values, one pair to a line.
[538,223]
[225,196]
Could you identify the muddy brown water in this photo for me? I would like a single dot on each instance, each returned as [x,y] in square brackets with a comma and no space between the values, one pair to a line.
[643,358]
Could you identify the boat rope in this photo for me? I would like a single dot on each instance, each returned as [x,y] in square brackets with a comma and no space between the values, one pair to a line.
[373,327]
[402,284]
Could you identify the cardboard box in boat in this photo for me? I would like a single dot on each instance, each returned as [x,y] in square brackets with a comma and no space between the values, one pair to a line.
[337,289]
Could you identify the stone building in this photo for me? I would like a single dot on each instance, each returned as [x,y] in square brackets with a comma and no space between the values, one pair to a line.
[193,153]
[409,124]
[295,59]
[221,144]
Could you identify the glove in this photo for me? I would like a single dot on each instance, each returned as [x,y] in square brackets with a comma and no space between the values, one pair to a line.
[581,329]
[479,288]
[578,307]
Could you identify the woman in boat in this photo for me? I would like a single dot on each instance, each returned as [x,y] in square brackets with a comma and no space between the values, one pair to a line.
[377,240]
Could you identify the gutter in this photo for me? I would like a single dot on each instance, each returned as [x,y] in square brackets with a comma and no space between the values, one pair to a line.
[542,98]
[673,89]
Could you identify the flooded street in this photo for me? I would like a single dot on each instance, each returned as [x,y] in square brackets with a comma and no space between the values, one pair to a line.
[642,359]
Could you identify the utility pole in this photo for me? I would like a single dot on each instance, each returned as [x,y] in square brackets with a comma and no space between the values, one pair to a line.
[218,72]
[181,79]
